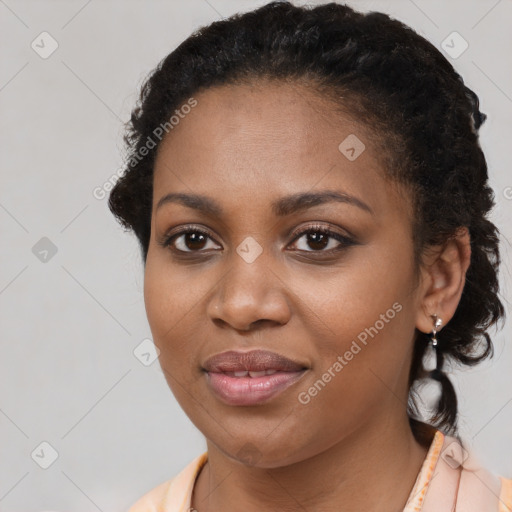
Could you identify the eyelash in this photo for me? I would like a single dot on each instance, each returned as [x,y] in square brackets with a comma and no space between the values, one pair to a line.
[345,241]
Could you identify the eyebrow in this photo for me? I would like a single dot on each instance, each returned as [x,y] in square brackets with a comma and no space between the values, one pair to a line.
[281,207]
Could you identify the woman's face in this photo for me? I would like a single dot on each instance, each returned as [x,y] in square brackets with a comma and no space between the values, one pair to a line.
[256,272]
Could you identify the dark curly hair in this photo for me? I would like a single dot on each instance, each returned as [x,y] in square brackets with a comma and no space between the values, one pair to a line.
[406,93]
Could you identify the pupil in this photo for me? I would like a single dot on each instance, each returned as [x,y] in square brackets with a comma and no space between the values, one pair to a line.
[194,239]
[313,238]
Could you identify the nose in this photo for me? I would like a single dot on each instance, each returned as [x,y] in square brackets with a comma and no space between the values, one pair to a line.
[249,295]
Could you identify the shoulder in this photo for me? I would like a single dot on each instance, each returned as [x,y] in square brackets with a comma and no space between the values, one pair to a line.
[172,495]
[480,487]
[152,500]
[505,494]
[477,488]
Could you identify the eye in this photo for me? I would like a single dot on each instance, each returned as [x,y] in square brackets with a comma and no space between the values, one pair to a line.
[320,238]
[188,239]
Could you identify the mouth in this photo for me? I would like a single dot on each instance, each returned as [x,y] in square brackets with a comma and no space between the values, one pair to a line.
[251,378]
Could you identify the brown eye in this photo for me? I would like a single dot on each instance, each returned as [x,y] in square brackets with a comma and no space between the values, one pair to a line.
[318,238]
[189,240]
[194,241]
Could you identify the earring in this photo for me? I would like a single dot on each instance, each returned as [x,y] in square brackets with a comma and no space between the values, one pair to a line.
[437,323]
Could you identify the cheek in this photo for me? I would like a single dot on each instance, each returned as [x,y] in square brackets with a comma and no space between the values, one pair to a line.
[158,300]
[169,293]
[364,314]
[366,291]
[175,300]
[166,301]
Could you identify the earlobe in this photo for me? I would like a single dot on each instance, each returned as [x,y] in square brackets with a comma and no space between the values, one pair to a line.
[444,277]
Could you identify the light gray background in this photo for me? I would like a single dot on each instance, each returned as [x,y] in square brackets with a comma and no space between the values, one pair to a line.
[69,325]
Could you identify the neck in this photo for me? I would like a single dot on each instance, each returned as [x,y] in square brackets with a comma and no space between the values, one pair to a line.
[373,468]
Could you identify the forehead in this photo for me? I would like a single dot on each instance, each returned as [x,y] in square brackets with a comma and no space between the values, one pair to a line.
[268,139]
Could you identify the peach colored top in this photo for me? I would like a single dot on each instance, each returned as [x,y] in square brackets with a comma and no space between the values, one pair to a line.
[450,480]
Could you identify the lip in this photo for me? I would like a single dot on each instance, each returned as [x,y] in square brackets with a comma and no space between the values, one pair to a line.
[275,374]
[254,360]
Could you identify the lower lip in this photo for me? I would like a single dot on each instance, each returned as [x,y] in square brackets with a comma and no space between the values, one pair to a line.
[251,390]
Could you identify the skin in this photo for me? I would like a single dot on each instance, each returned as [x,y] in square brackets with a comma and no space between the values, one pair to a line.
[246,146]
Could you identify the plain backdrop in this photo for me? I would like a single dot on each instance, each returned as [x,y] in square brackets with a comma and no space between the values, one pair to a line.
[77,393]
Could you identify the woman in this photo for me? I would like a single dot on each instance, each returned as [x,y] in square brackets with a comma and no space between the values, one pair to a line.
[311,202]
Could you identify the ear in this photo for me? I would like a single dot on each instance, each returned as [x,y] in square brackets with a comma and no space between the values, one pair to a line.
[443,278]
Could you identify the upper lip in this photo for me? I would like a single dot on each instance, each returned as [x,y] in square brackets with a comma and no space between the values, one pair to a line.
[253,361]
